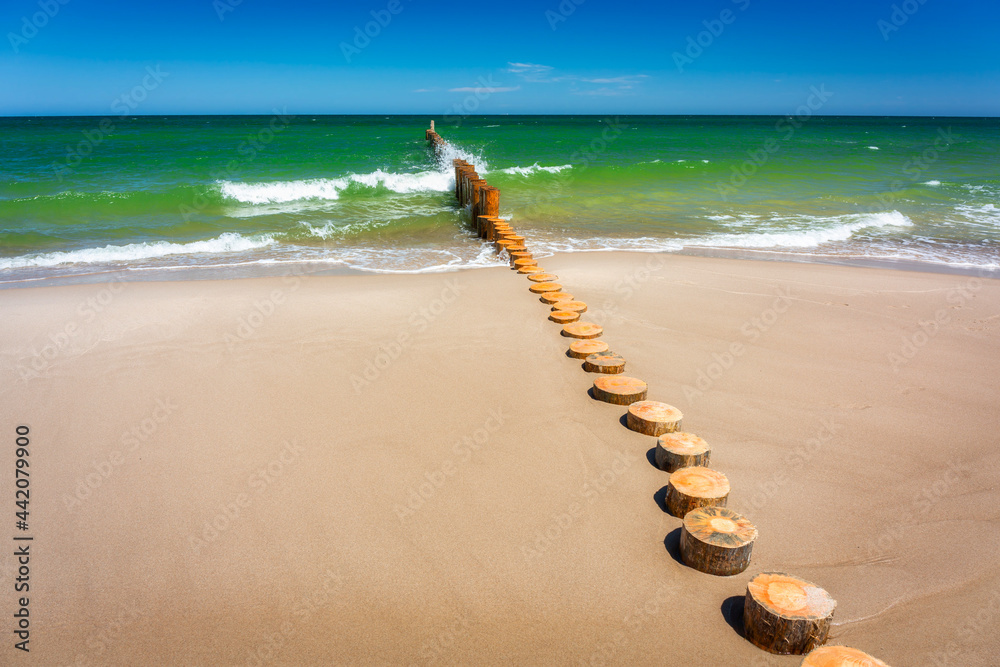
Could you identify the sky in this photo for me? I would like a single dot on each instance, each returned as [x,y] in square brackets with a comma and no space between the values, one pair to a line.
[870,57]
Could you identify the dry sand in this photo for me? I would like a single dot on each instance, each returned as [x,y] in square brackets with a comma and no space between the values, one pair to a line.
[211,486]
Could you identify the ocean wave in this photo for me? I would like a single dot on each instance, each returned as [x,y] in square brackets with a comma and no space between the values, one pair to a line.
[228,242]
[932,183]
[329,189]
[534,169]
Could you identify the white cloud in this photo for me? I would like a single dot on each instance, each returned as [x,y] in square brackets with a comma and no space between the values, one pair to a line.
[530,71]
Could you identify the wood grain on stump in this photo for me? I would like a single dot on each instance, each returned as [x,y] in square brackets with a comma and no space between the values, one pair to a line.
[694,487]
[530,270]
[539,288]
[786,615]
[543,278]
[519,254]
[681,450]
[556,297]
[518,239]
[717,540]
[840,656]
[522,262]
[563,316]
[619,389]
[653,418]
[581,349]
[608,363]
[502,245]
[582,330]
[575,306]
[516,248]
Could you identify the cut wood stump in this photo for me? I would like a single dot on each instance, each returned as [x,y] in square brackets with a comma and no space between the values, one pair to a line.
[619,389]
[581,349]
[582,330]
[717,540]
[653,418]
[502,245]
[575,306]
[515,248]
[681,450]
[840,656]
[786,615]
[556,297]
[543,278]
[539,288]
[563,316]
[694,487]
[530,270]
[608,363]
[522,262]
[517,239]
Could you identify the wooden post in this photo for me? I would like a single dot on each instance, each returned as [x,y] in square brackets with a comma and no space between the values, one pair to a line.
[556,297]
[458,174]
[563,316]
[786,615]
[608,363]
[432,126]
[618,389]
[653,418]
[841,656]
[581,349]
[691,488]
[681,450]
[491,207]
[474,186]
[717,540]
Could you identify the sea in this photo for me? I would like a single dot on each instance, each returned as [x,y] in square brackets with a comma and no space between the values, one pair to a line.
[85,198]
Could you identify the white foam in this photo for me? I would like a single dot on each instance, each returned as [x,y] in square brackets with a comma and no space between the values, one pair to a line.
[329,189]
[228,242]
[534,169]
[933,183]
[873,148]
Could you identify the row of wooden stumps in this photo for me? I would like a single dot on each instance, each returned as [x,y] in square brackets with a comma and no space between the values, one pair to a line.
[782,614]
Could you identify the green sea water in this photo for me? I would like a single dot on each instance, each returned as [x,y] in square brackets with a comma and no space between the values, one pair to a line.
[84,196]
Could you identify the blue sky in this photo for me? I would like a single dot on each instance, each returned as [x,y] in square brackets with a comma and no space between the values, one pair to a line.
[937,57]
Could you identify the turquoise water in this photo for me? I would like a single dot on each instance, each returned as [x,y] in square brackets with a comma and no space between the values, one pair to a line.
[89,195]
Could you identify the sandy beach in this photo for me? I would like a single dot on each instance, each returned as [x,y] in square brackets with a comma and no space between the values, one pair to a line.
[408,469]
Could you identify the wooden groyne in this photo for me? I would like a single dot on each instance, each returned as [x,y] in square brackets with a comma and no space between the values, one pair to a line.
[781,613]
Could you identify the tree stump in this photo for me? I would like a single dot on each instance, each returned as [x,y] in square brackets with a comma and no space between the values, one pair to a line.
[619,390]
[502,245]
[786,615]
[574,306]
[563,316]
[691,488]
[582,330]
[517,239]
[581,349]
[543,278]
[529,270]
[608,363]
[717,540]
[522,262]
[539,288]
[681,450]
[515,248]
[556,297]
[840,656]
[653,418]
